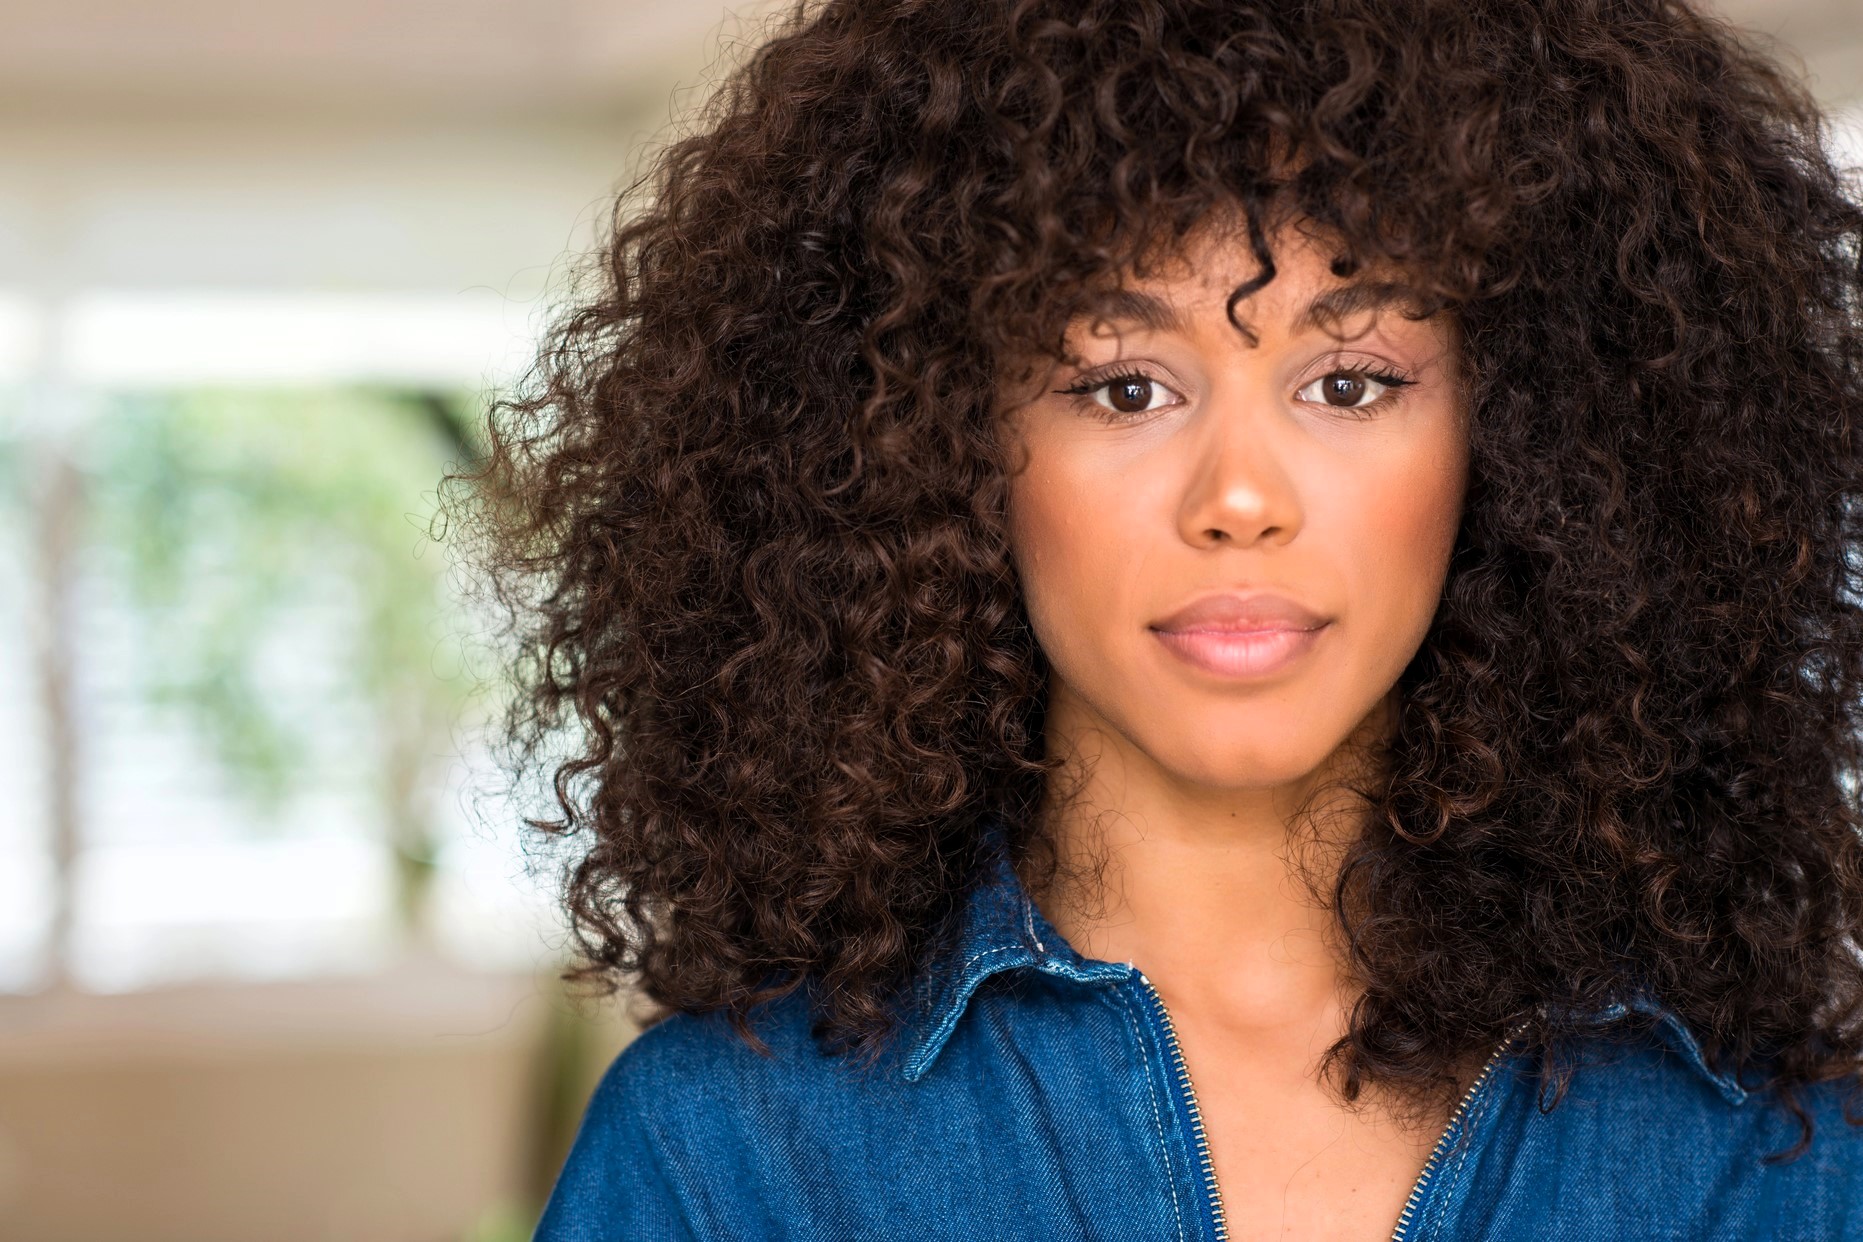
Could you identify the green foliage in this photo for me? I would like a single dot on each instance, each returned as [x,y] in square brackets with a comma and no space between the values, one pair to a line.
[276,547]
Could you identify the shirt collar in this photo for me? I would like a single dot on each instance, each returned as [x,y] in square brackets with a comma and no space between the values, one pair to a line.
[1673,1031]
[1001,929]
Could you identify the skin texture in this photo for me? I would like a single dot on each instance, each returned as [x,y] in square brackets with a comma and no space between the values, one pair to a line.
[774,664]
[1227,470]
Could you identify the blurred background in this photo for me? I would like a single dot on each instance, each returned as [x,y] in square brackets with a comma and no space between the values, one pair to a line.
[276,962]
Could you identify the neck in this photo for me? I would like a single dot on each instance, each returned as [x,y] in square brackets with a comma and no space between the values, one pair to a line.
[1220,895]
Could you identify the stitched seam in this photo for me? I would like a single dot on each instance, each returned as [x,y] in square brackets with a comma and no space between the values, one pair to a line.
[942,1032]
[1001,948]
[1468,1128]
[1157,1118]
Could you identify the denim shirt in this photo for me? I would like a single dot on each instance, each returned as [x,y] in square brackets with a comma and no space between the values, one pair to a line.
[1040,1094]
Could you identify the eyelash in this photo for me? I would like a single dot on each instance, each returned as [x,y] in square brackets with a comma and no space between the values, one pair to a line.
[1083,388]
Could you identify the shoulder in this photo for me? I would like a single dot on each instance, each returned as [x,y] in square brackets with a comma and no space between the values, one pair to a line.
[683,1112]
[696,1070]
[1661,1084]
[1648,1136]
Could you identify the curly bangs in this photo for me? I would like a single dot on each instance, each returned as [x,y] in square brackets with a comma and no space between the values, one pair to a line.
[748,512]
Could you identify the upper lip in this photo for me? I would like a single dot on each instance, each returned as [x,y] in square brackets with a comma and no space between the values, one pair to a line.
[1242,613]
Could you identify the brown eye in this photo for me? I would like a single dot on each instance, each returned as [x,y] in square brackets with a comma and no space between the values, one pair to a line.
[1350,390]
[1131,395]
[1126,396]
[1342,388]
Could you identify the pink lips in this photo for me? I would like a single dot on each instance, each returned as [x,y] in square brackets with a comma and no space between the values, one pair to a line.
[1241,635]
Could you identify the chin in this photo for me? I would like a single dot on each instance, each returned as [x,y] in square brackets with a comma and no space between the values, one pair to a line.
[1243,763]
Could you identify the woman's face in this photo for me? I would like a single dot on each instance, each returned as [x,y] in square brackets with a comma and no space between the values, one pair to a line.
[1180,479]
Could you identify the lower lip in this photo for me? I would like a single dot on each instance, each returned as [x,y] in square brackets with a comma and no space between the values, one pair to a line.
[1239,653]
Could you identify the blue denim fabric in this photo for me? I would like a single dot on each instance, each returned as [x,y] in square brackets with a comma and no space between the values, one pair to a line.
[1037,1095]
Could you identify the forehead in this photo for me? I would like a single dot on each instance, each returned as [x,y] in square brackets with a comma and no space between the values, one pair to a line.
[1298,288]
[1339,307]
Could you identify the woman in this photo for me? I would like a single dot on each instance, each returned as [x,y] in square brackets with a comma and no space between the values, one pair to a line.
[1212,619]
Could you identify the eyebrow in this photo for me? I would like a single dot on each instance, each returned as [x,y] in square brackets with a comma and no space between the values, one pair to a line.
[1328,308]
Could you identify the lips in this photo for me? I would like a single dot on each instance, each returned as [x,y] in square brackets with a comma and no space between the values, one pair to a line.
[1240,614]
[1241,636]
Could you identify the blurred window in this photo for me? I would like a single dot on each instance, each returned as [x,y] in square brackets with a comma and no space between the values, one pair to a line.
[26,887]
[233,667]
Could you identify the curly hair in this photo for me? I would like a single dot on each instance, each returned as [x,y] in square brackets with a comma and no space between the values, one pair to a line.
[748,511]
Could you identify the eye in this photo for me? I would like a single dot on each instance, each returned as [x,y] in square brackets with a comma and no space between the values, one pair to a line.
[1352,389]
[1126,394]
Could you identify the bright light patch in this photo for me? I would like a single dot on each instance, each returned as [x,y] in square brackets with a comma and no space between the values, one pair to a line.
[152,914]
[19,336]
[182,338]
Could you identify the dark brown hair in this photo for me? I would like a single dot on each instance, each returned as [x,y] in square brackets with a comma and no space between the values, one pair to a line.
[748,512]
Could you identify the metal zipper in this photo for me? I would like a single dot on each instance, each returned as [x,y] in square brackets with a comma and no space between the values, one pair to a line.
[1219,1223]
[1218,1220]
[1455,1121]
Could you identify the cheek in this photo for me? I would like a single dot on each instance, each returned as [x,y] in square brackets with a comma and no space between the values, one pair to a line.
[1073,539]
[1408,519]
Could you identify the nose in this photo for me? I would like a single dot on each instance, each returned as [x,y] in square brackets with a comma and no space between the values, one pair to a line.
[1239,489]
